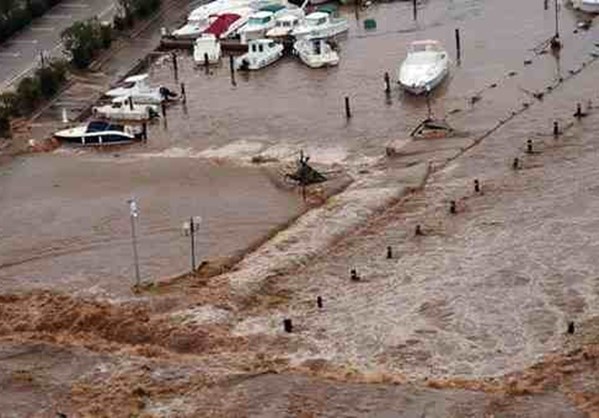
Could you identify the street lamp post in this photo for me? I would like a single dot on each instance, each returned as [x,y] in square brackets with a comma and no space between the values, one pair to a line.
[134,213]
[189,229]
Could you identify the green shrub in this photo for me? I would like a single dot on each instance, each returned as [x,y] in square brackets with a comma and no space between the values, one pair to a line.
[29,93]
[106,35]
[82,40]
[51,77]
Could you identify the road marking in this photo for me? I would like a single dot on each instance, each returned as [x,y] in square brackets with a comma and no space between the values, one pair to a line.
[43,29]
[58,16]
[20,42]
[10,54]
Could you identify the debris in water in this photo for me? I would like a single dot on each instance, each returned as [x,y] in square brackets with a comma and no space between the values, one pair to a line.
[431,129]
[305,174]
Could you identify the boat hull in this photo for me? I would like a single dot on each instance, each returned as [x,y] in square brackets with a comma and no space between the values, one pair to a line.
[589,6]
[427,85]
[104,139]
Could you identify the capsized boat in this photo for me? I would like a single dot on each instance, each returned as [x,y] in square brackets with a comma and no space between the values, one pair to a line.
[97,133]
[425,67]
[124,108]
[139,89]
[261,52]
[320,25]
[316,53]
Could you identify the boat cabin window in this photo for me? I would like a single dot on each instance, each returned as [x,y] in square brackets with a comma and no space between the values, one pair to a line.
[96,126]
[128,85]
[259,20]
[117,105]
[271,44]
[118,128]
[317,22]
[261,48]
[254,48]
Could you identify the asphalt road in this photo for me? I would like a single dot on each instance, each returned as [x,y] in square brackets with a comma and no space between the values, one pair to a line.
[21,54]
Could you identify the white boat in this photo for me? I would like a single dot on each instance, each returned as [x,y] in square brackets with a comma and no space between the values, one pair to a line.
[589,6]
[284,25]
[320,25]
[261,52]
[98,133]
[124,108]
[200,18]
[139,89]
[257,26]
[426,65]
[206,46]
[316,53]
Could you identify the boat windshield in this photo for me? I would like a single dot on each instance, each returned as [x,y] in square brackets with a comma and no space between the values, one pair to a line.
[113,127]
[96,126]
[424,47]
[421,58]
[258,20]
[317,22]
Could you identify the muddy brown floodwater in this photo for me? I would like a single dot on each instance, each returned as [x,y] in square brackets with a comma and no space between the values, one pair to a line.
[468,319]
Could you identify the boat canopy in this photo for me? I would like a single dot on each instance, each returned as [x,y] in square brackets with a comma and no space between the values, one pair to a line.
[222,24]
[273,8]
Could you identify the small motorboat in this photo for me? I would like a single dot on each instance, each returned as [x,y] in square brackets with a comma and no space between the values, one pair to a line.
[261,52]
[320,25]
[124,108]
[257,26]
[98,133]
[138,88]
[425,67]
[316,53]
[284,25]
[206,48]
[589,6]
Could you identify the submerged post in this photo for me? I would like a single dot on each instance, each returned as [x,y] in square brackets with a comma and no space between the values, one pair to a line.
[175,64]
[232,67]
[387,83]
[458,46]
[555,129]
[389,253]
[183,94]
[529,146]
[287,326]
[347,108]
[415,8]
[476,186]
[206,60]
[319,302]
[133,214]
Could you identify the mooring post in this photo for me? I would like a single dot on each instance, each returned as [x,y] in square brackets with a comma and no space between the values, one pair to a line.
[418,230]
[319,302]
[458,46]
[452,207]
[555,129]
[571,327]
[232,67]
[206,60]
[42,60]
[354,275]
[130,102]
[389,253]
[516,163]
[476,186]
[287,325]
[387,83]
[163,108]
[175,64]
[415,8]
[183,94]
[347,108]
[529,146]
[578,113]
[144,131]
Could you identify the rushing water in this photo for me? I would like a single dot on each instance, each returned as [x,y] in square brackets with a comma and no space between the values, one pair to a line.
[64,218]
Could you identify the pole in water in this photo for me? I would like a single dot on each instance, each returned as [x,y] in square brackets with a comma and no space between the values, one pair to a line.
[163,109]
[319,302]
[387,83]
[571,327]
[144,131]
[546,4]
[415,8]
[193,249]
[183,94]
[287,326]
[529,146]
[516,163]
[458,46]
[389,253]
[578,113]
[232,67]
[418,230]
[347,108]
[354,275]
[206,60]
[476,186]
[555,129]
[130,102]
[452,207]
[134,213]
[175,64]
[42,61]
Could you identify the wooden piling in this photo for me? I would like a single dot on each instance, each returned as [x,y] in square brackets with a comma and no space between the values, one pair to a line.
[232,68]
[387,83]
[319,302]
[183,93]
[458,46]
[287,325]
[415,9]
[347,108]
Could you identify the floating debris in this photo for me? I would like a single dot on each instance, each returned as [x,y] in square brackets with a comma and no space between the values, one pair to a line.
[431,129]
[305,174]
